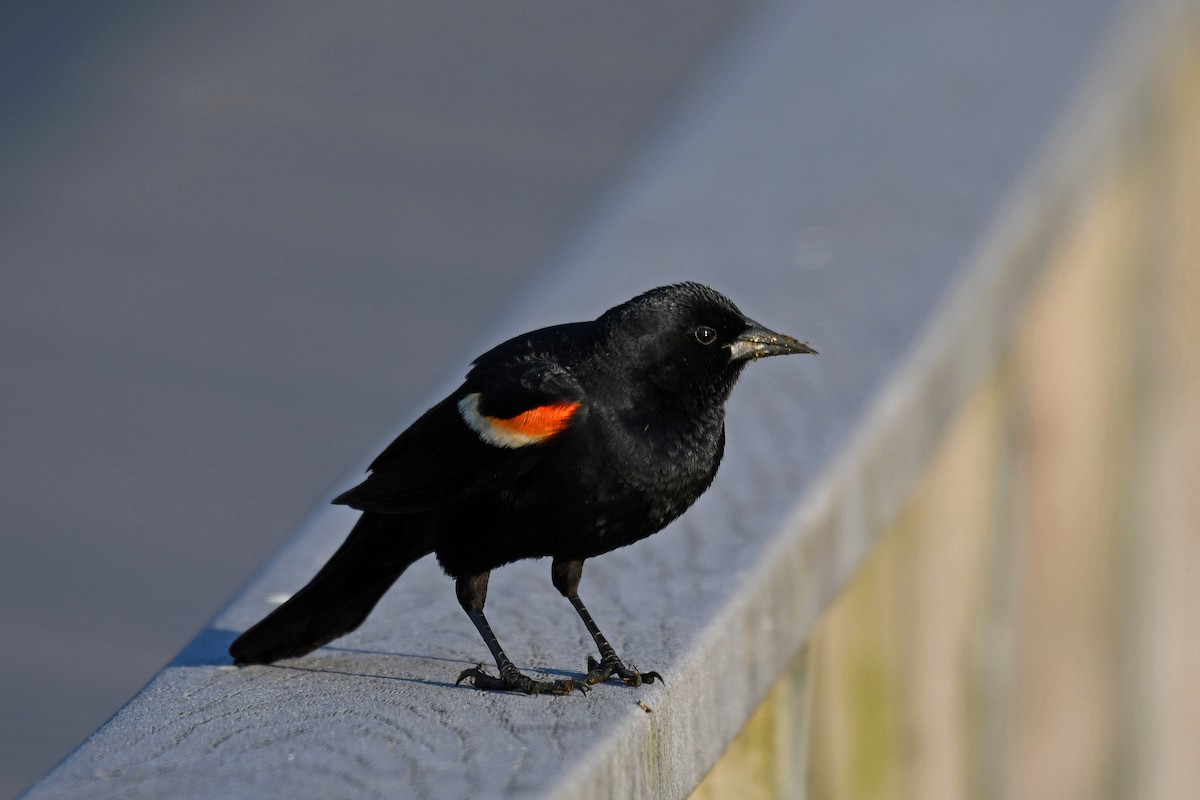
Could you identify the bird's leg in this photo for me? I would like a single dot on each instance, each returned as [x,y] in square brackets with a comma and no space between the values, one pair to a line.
[566,576]
[472,592]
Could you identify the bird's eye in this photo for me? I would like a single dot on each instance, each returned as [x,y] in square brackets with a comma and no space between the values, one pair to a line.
[705,335]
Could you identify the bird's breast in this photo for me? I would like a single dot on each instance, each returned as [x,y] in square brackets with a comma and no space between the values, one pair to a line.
[599,489]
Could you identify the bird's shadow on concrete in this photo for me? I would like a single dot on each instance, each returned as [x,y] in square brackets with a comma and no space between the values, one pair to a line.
[211,649]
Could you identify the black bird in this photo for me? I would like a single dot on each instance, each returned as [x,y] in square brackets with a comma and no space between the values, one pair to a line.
[568,442]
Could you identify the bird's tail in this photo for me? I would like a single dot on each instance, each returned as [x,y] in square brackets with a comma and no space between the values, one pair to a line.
[339,597]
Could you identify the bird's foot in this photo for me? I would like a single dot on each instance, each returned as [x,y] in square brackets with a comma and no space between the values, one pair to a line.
[600,671]
[512,680]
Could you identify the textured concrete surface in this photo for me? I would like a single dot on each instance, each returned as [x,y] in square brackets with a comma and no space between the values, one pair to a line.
[832,172]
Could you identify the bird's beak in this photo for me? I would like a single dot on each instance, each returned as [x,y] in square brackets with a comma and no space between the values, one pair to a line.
[759,342]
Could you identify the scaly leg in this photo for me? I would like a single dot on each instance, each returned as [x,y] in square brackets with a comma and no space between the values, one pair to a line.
[566,576]
[472,592]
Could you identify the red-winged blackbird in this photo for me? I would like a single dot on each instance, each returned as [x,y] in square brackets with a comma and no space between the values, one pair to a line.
[567,442]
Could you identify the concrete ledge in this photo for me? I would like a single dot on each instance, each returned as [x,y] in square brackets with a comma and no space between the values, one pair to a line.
[858,179]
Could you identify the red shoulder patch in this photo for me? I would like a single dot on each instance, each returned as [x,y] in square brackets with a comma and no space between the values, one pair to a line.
[538,423]
[529,427]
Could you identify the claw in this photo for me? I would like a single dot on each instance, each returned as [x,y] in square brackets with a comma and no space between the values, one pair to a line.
[518,682]
[600,671]
[474,672]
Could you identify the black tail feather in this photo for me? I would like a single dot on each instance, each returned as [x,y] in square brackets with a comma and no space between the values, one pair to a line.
[338,598]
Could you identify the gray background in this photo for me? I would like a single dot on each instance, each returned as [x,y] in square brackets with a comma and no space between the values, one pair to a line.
[238,244]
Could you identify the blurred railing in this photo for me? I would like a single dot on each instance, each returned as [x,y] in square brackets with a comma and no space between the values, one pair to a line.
[1028,624]
[998,488]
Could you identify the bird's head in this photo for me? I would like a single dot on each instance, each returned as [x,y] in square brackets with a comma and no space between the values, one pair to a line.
[688,341]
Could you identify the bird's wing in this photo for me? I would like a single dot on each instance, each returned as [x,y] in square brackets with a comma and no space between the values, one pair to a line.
[491,431]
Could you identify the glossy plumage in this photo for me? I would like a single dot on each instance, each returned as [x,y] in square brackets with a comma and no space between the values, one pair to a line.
[568,441]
